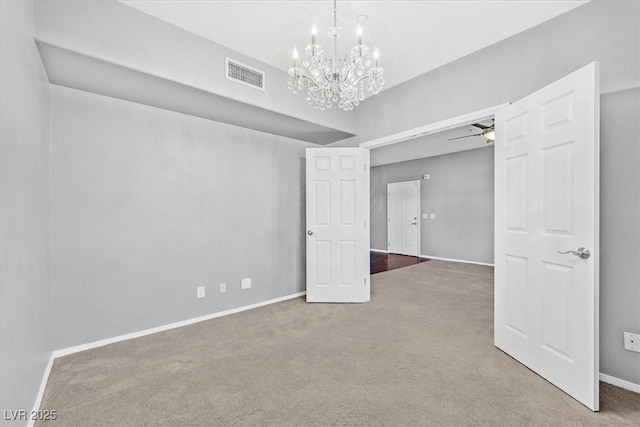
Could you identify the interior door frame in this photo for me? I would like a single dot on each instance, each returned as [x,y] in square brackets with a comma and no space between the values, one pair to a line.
[431,128]
[418,219]
[451,123]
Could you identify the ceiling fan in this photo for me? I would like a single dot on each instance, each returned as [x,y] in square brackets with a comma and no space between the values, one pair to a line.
[489,132]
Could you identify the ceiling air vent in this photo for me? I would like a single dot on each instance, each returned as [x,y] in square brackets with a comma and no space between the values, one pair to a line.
[244,74]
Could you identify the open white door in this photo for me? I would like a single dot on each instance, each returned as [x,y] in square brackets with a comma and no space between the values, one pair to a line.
[546,202]
[403,211]
[337,224]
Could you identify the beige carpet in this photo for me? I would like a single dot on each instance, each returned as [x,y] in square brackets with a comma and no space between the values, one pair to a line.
[420,353]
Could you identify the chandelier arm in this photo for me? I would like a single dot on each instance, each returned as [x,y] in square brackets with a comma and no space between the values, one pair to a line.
[351,68]
[360,78]
[346,76]
[326,77]
[304,76]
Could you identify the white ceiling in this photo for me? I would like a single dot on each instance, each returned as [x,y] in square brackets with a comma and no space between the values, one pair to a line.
[413,36]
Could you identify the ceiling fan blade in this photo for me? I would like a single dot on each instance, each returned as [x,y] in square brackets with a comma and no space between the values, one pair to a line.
[466,136]
[480,125]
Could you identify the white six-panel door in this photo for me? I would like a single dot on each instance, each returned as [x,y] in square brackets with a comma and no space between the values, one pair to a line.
[403,211]
[337,224]
[546,202]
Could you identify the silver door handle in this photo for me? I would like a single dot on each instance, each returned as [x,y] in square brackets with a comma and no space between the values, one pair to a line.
[581,252]
[414,223]
[309,232]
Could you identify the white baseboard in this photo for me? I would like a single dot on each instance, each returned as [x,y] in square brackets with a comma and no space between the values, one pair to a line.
[379,250]
[43,386]
[439,258]
[100,343]
[627,385]
[455,260]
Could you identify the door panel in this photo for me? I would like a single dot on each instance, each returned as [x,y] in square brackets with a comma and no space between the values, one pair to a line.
[557,188]
[516,194]
[337,224]
[516,303]
[556,309]
[546,189]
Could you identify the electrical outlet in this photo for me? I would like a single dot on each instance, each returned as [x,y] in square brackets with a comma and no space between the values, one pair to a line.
[246,283]
[200,292]
[426,176]
[632,341]
[223,288]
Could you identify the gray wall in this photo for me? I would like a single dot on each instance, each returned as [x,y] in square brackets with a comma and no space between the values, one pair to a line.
[506,71]
[459,192]
[619,232]
[25,297]
[148,204]
[119,33]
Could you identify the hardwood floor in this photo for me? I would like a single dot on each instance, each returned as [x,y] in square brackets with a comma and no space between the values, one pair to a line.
[380,262]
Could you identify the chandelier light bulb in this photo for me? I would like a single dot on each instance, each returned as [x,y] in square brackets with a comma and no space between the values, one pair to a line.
[314,33]
[359,34]
[376,54]
[295,52]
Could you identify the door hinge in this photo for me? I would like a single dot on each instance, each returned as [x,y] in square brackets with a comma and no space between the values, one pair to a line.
[365,224]
[365,281]
[365,166]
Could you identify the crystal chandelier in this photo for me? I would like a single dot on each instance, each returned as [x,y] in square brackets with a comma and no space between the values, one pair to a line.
[342,81]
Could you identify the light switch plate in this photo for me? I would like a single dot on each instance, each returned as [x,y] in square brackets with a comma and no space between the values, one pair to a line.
[425,216]
[246,283]
[223,288]
[432,216]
